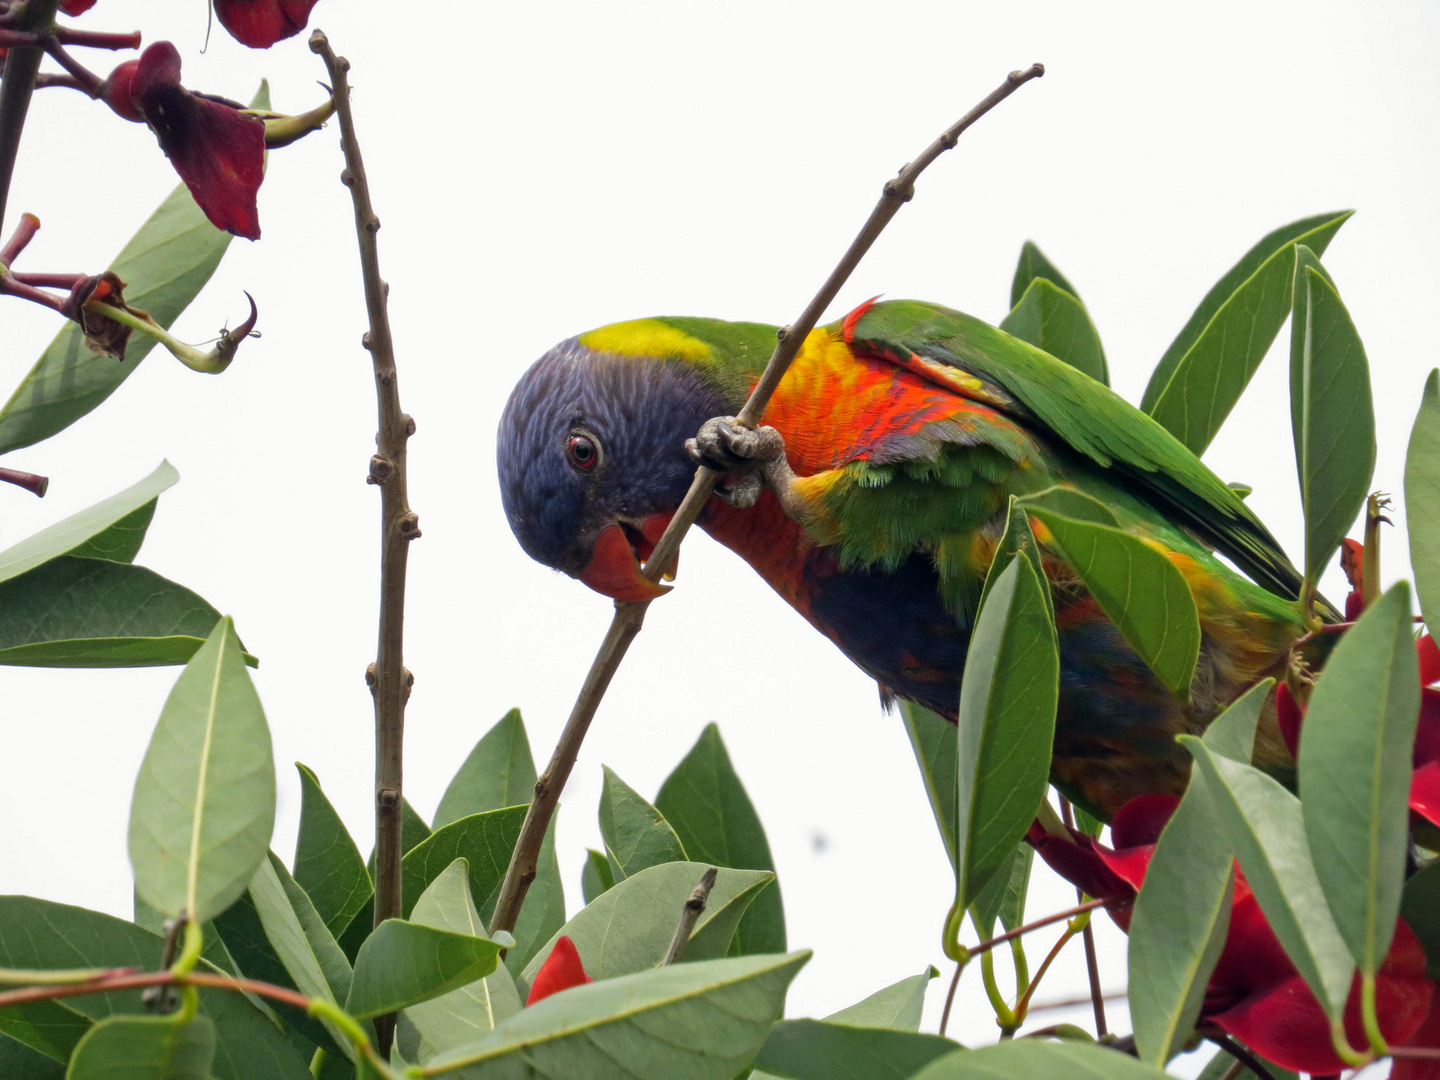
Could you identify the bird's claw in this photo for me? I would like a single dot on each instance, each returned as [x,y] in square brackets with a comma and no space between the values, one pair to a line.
[744,455]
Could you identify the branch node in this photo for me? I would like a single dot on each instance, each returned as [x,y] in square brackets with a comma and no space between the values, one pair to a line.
[410,526]
[365,342]
[347,178]
[387,798]
[381,469]
[409,425]
[370,677]
[372,226]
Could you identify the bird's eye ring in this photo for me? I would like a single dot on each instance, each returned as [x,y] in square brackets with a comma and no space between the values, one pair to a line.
[582,451]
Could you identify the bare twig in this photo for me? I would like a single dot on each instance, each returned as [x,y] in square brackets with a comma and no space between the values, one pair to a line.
[1092,960]
[950,997]
[689,915]
[1022,1007]
[1070,1003]
[21,67]
[630,615]
[1070,913]
[389,681]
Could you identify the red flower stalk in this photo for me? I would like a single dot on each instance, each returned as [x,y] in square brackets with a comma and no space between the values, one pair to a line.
[562,970]
[261,23]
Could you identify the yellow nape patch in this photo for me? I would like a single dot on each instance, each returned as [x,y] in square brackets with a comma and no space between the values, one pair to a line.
[645,337]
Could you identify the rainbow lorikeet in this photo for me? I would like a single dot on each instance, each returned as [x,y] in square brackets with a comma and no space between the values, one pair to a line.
[906,427]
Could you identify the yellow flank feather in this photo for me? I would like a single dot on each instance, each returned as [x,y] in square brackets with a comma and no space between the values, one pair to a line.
[646,338]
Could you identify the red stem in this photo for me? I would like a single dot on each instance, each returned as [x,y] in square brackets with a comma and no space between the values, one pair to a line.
[153,978]
[50,281]
[10,287]
[90,83]
[24,233]
[35,484]
[91,40]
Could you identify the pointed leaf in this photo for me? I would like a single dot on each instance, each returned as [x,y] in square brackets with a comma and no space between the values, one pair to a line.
[1034,264]
[1072,503]
[1265,828]
[1008,695]
[636,834]
[705,803]
[403,963]
[1055,321]
[1232,733]
[597,875]
[333,962]
[1422,500]
[1034,1059]
[825,1050]
[898,1006]
[48,1027]
[1207,367]
[484,841]
[1332,416]
[122,541]
[933,738]
[700,1021]
[1019,539]
[204,805]
[1355,767]
[499,772]
[145,1048]
[327,862]
[1140,591]
[1004,896]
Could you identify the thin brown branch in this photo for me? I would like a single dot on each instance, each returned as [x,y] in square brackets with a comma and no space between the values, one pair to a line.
[689,916]
[1239,1053]
[1022,1007]
[153,978]
[90,83]
[389,681]
[950,997]
[1070,913]
[1415,1053]
[630,615]
[1092,959]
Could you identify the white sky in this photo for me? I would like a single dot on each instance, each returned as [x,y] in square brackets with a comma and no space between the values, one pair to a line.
[544,168]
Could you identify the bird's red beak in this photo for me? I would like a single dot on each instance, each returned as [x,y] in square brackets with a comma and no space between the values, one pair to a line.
[614,567]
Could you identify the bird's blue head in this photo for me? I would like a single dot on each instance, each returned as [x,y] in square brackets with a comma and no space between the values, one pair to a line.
[592,460]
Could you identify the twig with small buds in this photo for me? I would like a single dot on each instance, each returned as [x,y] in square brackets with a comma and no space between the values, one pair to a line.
[689,916]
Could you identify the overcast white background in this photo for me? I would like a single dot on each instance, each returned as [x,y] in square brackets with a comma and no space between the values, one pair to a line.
[541,169]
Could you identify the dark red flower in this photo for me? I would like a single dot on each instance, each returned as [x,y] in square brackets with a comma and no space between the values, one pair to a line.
[103,334]
[76,7]
[562,970]
[261,23]
[219,153]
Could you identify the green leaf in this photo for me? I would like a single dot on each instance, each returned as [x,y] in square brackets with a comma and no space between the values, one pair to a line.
[1207,367]
[597,875]
[1332,417]
[1004,895]
[1232,733]
[933,738]
[91,526]
[1019,539]
[484,841]
[706,805]
[122,541]
[41,934]
[1034,264]
[1037,1060]
[628,928]
[204,805]
[83,613]
[1266,829]
[403,963]
[544,910]
[1420,907]
[47,1027]
[17,1059]
[499,772]
[1055,321]
[327,862]
[636,835]
[1219,1066]
[332,961]
[1008,695]
[145,1048]
[1422,500]
[825,1050]
[1140,591]
[1071,503]
[1355,767]
[898,1006]
[700,1021]
[473,1010]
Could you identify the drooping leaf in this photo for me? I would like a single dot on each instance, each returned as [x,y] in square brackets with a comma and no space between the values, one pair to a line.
[1004,895]
[1034,264]
[544,910]
[145,1048]
[826,1050]
[1035,1059]
[1008,695]
[499,772]
[50,1028]
[1420,907]
[700,1021]
[1422,499]
[484,841]
[1140,591]
[403,963]
[204,804]
[897,1006]
[1355,767]
[1207,367]
[327,862]
[1331,414]
[1265,826]
[636,834]
[933,738]
[1052,319]
[706,804]
[597,875]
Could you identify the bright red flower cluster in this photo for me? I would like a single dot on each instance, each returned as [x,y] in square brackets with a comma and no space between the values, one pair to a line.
[261,23]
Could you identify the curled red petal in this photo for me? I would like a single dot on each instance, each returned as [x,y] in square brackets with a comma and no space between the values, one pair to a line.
[562,970]
[1141,820]
[76,7]
[1290,714]
[261,23]
[1081,864]
[1352,559]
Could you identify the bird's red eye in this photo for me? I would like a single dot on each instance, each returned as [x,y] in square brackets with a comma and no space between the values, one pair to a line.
[582,452]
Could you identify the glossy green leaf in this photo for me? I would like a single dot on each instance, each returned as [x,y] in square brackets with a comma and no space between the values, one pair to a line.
[484,841]
[73,612]
[1207,367]
[1008,695]
[1219,1066]
[204,804]
[1232,733]
[471,1011]
[706,805]
[122,541]
[597,876]
[1034,264]
[145,1048]
[50,1028]
[1355,767]
[1072,503]
[498,772]
[933,738]
[628,928]
[544,910]
[1019,539]
[636,834]
[1422,500]
[403,963]
[897,1006]
[1332,416]
[1055,321]
[1420,907]
[1004,895]
[700,1021]
[1140,591]
[327,862]
[1034,1059]
[17,1059]
[1265,826]
[322,945]
[826,1050]
[41,934]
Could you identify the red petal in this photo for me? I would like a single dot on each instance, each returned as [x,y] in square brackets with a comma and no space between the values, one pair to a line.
[261,23]
[1425,792]
[1427,1035]
[1429,654]
[1427,732]
[1354,605]
[562,970]
[1141,820]
[1081,865]
[117,88]
[1290,715]
[76,7]
[1352,559]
